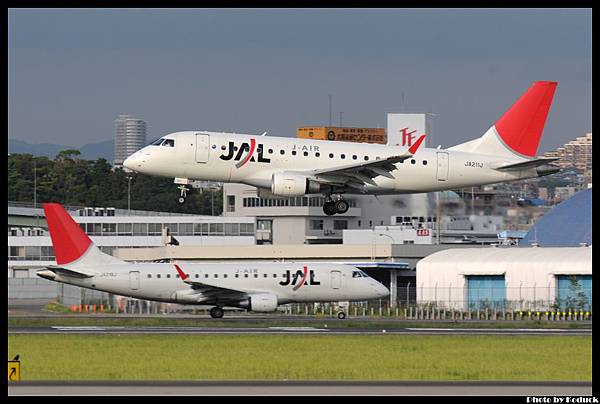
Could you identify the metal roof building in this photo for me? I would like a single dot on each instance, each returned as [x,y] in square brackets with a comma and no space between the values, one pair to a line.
[568,224]
[506,278]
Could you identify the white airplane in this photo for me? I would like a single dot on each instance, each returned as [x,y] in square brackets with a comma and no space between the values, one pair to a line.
[296,167]
[255,286]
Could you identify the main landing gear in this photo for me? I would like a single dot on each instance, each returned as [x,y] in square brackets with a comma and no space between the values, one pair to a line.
[331,207]
[183,194]
[217,312]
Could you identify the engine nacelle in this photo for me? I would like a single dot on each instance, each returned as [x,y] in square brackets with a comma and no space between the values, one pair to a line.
[293,184]
[263,302]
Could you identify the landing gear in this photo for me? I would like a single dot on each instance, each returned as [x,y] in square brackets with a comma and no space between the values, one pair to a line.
[183,190]
[331,207]
[341,315]
[217,312]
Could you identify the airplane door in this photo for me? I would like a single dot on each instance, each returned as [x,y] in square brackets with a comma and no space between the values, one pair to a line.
[442,166]
[336,279]
[134,280]
[202,148]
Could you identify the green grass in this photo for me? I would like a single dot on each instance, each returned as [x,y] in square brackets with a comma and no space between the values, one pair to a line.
[301,357]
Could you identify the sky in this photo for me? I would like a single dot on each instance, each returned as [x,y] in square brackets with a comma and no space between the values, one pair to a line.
[73,71]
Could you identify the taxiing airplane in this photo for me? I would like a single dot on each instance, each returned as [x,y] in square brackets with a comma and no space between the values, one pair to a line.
[296,167]
[255,286]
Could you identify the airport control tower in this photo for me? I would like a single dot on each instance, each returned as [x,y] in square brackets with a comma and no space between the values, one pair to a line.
[130,136]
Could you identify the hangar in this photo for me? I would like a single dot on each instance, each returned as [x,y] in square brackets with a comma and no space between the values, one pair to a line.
[498,278]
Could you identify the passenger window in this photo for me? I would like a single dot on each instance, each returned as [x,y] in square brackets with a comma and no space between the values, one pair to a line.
[265,275]
[354,157]
[274,275]
[424,162]
[223,147]
[149,276]
[270,151]
[305,154]
[366,158]
[158,275]
[282,151]
[197,275]
[245,275]
[343,156]
[237,276]
[413,161]
[216,275]
[168,275]
[206,275]
[317,154]
[224,275]
[256,275]
[330,155]
[169,143]
[293,152]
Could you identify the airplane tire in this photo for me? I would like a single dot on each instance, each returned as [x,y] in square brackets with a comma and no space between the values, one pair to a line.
[341,315]
[217,312]
[341,206]
[181,200]
[329,208]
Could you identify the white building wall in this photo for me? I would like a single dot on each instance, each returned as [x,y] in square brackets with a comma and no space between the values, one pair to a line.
[530,272]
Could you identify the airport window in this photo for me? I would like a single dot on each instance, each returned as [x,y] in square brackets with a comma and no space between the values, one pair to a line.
[340,224]
[354,157]
[197,229]
[317,154]
[169,143]
[186,229]
[109,229]
[316,224]
[140,229]
[246,229]
[232,229]
[293,152]
[413,161]
[124,229]
[216,229]
[330,155]
[424,162]
[205,229]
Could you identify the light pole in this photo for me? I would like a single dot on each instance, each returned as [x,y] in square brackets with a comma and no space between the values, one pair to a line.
[129,195]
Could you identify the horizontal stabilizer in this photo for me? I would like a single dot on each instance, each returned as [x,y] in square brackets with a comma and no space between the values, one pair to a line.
[527,164]
[47,273]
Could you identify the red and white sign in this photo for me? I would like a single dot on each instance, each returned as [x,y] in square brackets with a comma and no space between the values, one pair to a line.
[422,232]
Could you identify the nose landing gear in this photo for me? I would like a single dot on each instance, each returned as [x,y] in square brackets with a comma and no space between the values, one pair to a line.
[184,190]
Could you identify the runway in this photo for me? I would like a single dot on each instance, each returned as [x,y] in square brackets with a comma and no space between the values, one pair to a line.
[294,330]
[274,388]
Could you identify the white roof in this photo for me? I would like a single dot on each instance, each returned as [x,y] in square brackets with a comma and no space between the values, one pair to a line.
[567,260]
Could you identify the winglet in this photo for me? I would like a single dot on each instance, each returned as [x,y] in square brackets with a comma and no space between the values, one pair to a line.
[181,273]
[413,149]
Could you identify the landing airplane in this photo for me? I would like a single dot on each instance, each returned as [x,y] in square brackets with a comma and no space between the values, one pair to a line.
[255,286]
[296,167]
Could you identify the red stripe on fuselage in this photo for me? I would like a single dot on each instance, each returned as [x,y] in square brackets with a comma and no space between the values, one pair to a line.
[302,280]
[252,147]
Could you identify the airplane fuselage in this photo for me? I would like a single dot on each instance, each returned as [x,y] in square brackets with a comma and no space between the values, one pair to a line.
[252,160]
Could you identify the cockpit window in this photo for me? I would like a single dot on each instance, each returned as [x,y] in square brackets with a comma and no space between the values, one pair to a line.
[157,142]
[168,143]
[359,274]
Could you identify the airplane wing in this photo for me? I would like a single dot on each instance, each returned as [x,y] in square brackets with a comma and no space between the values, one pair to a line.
[527,164]
[359,175]
[211,292]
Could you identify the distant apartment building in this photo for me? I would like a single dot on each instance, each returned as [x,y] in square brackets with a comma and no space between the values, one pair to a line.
[577,153]
[130,136]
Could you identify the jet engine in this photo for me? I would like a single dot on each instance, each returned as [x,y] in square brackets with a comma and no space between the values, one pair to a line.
[263,302]
[293,184]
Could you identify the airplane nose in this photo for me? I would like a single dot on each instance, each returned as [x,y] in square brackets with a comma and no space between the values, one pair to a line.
[133,162]
[382,291]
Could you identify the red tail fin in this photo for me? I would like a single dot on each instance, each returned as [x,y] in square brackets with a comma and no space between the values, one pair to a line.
[69,240]
[522,125]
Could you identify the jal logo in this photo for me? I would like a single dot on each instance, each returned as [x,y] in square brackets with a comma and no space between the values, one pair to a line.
[249,149]
[302,275]
[407,137]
